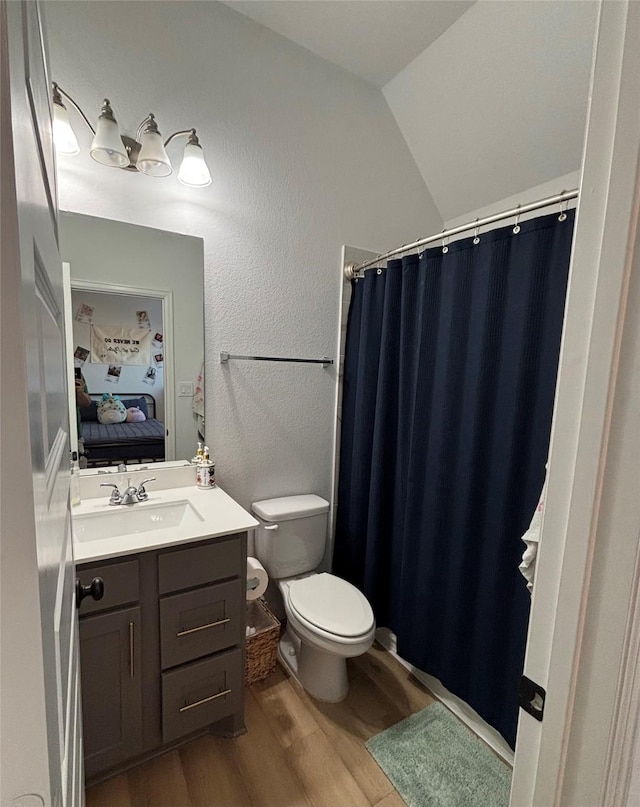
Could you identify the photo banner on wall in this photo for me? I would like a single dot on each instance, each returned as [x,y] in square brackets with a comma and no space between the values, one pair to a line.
[120,346]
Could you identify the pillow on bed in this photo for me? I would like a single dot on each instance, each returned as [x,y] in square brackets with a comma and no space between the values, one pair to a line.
[88,413]
[141,403]
[135,415]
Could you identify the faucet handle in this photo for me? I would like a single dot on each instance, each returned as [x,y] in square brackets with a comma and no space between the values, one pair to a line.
[142,493]
[115,497]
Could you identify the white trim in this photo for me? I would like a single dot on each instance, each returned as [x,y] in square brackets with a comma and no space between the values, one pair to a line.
[117,288]
[561,761]
[626,733]
[68,336]
[460,708]
[336,423]
[166,297]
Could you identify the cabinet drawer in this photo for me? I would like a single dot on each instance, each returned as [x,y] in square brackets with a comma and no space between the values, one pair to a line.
[198,565]
[121,585]
[197,623]
[200,694]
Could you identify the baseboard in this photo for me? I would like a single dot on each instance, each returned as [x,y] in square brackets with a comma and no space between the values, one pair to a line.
[460,708]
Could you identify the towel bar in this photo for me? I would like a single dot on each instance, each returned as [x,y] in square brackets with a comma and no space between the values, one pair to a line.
[225,357]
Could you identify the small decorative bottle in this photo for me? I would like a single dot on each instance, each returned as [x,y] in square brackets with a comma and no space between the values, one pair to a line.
[199,455]
[206,471]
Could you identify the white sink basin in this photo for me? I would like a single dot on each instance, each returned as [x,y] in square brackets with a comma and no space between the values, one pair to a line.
[134,518]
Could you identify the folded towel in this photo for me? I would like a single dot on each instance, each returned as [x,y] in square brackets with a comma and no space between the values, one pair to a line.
[198,401]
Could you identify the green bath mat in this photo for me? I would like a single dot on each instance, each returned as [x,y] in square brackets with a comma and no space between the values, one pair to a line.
[434,760]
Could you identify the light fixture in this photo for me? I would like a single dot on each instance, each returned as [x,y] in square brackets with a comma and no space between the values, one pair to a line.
[107,147]
[193,170]
[153,158]
[63,135]
[146,153]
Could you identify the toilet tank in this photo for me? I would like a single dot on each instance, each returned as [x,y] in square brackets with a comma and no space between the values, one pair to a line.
[292,534]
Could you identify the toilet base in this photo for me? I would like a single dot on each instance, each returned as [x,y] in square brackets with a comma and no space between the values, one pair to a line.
[323,675]
[288,650]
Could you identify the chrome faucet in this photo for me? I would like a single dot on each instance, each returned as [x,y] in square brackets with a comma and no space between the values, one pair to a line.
[131,495]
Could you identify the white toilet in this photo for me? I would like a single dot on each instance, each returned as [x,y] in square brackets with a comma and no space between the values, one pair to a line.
[328,619]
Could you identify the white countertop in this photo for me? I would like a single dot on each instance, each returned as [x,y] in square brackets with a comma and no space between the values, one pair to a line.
[220,515]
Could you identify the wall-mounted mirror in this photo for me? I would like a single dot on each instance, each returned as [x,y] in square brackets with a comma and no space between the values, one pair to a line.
[135,330]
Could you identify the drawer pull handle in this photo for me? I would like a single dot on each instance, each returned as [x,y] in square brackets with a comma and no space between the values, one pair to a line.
[131,649]
[205,700]
[203,627]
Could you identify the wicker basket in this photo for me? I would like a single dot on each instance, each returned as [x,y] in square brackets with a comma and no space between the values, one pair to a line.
[261,646]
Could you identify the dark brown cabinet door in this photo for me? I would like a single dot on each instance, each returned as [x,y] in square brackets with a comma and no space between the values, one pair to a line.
[110,663]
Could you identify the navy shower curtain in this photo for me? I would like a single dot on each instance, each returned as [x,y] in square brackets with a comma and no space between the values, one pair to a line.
[449,382]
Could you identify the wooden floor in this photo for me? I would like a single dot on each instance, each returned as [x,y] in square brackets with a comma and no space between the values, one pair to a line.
[296,753]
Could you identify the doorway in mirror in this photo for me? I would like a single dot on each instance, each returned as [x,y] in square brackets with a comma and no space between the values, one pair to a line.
[118,352]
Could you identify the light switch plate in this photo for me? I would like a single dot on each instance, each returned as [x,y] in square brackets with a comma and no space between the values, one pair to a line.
[185,389]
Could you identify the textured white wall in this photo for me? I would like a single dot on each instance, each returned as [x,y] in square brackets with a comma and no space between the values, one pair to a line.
[498,103]
[304,158]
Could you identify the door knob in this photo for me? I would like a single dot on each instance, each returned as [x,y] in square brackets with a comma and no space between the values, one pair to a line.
[95,590]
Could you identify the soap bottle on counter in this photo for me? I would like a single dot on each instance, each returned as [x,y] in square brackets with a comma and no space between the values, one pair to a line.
[206,471]
[199,455]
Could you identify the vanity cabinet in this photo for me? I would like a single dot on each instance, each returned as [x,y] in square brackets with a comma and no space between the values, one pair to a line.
[162,653]
[111,688]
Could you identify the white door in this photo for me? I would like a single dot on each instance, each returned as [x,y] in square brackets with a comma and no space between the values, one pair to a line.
[585,578]
[41,740]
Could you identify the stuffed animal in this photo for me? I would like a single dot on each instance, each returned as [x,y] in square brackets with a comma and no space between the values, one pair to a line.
[111,409]
[135,415]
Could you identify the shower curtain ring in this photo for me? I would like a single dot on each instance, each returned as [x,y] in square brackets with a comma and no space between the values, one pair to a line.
[516,229]
[563,210]
[445,244]
[476,237]
[379,268]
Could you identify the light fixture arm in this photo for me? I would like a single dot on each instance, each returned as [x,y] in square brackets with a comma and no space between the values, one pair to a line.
[148,124]
[193,138]
[58,91]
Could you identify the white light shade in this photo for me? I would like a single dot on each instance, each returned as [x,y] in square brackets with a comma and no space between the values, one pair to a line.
[107,147]
[193,170]
[153,159]
[63,135]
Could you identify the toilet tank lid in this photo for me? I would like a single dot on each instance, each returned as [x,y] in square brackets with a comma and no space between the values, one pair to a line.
[288,507]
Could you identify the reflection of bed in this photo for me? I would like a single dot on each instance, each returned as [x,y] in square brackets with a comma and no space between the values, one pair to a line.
[109,443]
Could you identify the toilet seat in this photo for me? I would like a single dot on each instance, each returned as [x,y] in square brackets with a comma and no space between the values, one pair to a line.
[331,607]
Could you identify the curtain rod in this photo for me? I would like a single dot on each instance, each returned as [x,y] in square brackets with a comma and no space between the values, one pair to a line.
[353,270]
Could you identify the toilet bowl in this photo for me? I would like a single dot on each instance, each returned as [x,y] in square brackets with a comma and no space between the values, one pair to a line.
[328,619]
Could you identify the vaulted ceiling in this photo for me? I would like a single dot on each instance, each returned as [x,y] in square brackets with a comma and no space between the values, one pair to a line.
[374,40]
[491,97]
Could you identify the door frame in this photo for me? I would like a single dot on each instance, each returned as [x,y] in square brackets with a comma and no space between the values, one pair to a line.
[578,629]
[166,298]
